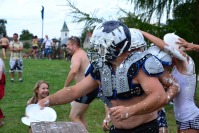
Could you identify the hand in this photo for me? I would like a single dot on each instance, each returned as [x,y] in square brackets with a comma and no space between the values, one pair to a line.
[106,123]
[44,102]
[119,112]
[174,52]
[182,42]
[185,44]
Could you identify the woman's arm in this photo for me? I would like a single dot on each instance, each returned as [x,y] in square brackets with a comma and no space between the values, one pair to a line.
[188,46]
[163,46]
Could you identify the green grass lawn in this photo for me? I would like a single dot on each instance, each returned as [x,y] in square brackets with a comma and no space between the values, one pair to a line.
[54,72]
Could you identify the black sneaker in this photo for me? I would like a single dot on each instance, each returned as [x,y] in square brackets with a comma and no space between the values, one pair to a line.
[20,80]
[12,80]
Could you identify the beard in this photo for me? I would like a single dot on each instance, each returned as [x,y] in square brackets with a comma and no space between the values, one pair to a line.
[69,51]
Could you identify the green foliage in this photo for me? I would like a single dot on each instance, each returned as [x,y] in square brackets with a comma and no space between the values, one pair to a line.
[2,26]
[26,35]
[26,45]
[184,26]
[133,21]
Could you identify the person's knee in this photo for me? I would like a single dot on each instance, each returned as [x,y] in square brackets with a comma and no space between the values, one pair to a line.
[74,117]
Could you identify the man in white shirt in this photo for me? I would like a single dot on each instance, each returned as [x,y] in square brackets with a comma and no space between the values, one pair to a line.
[48,46]
[16,60]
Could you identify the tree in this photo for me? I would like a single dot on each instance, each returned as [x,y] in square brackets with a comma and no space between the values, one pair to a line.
[160,7]
[2,26]
[26,35]
[185,26]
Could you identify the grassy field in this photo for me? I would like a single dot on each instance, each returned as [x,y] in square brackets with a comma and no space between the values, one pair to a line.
[54,72]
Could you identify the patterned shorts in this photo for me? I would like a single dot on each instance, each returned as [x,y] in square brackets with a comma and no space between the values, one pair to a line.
[191,124]
[16,65]
[162,118]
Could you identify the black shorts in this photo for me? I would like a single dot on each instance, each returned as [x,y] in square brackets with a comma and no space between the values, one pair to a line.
[35,47]
[87,99]
[149,127]
[4,46]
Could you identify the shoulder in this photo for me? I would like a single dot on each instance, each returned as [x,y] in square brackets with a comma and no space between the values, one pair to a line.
[20,42]
[143,78]
[83,53]
[152,66]
[11,42]
[29,101]
[79,54]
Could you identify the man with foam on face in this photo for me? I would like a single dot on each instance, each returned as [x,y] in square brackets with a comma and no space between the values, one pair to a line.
[124,78]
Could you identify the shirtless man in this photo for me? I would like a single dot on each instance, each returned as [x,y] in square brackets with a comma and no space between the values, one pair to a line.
[4,43]
[79,64]
[135,96]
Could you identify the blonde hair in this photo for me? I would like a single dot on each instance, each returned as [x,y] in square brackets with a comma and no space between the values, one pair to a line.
[34,99]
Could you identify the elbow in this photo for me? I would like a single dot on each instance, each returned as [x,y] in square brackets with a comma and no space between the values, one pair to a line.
[170,95]
[73,72]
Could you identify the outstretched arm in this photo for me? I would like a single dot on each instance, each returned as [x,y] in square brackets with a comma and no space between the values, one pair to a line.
[188,46]
[163,46]
[157,41]
[68,94]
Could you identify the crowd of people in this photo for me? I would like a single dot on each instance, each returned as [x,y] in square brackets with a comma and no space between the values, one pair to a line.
[136,82]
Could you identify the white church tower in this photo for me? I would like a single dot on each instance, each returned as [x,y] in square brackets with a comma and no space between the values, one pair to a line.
[64,33]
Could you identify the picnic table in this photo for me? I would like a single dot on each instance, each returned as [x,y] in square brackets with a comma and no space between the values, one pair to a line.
[57,127]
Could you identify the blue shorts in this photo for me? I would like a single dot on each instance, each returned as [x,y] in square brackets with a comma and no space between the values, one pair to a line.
[48,51]
[162,119]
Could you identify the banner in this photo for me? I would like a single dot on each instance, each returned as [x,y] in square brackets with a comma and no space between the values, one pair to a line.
[42,12]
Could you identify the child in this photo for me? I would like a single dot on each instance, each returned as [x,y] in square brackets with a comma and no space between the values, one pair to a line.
[41,90]
[2,85]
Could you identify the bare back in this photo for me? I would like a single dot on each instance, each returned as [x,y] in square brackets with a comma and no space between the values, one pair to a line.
[4,41]
[80,58]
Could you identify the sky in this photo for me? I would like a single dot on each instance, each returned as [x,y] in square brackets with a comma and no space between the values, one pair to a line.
[26,15]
